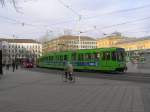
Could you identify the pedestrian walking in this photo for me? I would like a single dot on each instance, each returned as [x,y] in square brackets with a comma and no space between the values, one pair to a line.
[16,65]
[13,66]
[7,65]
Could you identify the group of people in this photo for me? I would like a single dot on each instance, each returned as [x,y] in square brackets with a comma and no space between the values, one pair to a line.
[14,65]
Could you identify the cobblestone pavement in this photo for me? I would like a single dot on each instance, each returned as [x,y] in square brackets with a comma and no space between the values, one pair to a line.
[31,91]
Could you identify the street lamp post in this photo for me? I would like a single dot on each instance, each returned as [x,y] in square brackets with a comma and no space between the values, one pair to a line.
[79,36]
[79,46]
[14,45]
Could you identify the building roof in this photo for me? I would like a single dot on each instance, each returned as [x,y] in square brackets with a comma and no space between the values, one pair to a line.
[70,37]
[130,40]
[19,40]
[112,36]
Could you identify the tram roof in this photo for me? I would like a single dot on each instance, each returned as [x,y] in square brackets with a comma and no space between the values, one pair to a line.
[82,51]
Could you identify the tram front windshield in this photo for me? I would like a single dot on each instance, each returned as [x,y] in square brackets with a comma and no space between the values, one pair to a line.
[118,55]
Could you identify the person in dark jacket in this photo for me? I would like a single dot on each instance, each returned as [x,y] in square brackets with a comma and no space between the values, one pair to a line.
[16,64]
[13,65]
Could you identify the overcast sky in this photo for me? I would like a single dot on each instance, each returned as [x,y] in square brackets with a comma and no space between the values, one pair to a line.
[98,17]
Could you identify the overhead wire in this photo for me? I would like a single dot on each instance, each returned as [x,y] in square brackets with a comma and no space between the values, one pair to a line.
[68,7]
[114,25]
[136,31]
[75,12]
[118,11]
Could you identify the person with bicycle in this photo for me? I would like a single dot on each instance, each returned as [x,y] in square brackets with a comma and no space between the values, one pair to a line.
[68,71]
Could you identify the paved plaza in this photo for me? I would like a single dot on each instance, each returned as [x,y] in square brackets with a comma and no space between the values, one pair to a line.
[31,91]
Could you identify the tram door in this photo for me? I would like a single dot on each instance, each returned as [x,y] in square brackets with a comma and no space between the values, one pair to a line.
[106,59]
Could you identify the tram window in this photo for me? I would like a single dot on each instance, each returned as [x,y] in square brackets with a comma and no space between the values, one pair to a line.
[65,57]
[103,56]
[80,57]
[120,56]
[92,56]
[74,57]
[89,56]
[114,56]
[85,56]
[52,58]
[96,55]
[106,56]
[60,57]
[57,58]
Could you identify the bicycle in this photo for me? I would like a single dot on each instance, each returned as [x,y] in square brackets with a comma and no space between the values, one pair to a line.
[68,77]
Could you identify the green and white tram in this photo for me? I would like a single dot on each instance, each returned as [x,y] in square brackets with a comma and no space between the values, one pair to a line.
[102,59]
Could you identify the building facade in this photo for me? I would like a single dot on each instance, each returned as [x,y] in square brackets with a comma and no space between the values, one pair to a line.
[68,42]
[109,41]
[132,46]
[135,44]
[23,48]
[4,47]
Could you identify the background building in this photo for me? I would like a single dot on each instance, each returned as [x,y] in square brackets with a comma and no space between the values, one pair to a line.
[135,44]
[68,42]
[109,41]
[4,47]
[135,47]
[23,49]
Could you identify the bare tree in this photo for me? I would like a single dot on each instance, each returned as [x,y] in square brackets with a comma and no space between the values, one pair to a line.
[13,2]
[2,2]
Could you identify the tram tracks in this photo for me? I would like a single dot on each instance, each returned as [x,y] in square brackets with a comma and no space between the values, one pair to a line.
[128,76]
